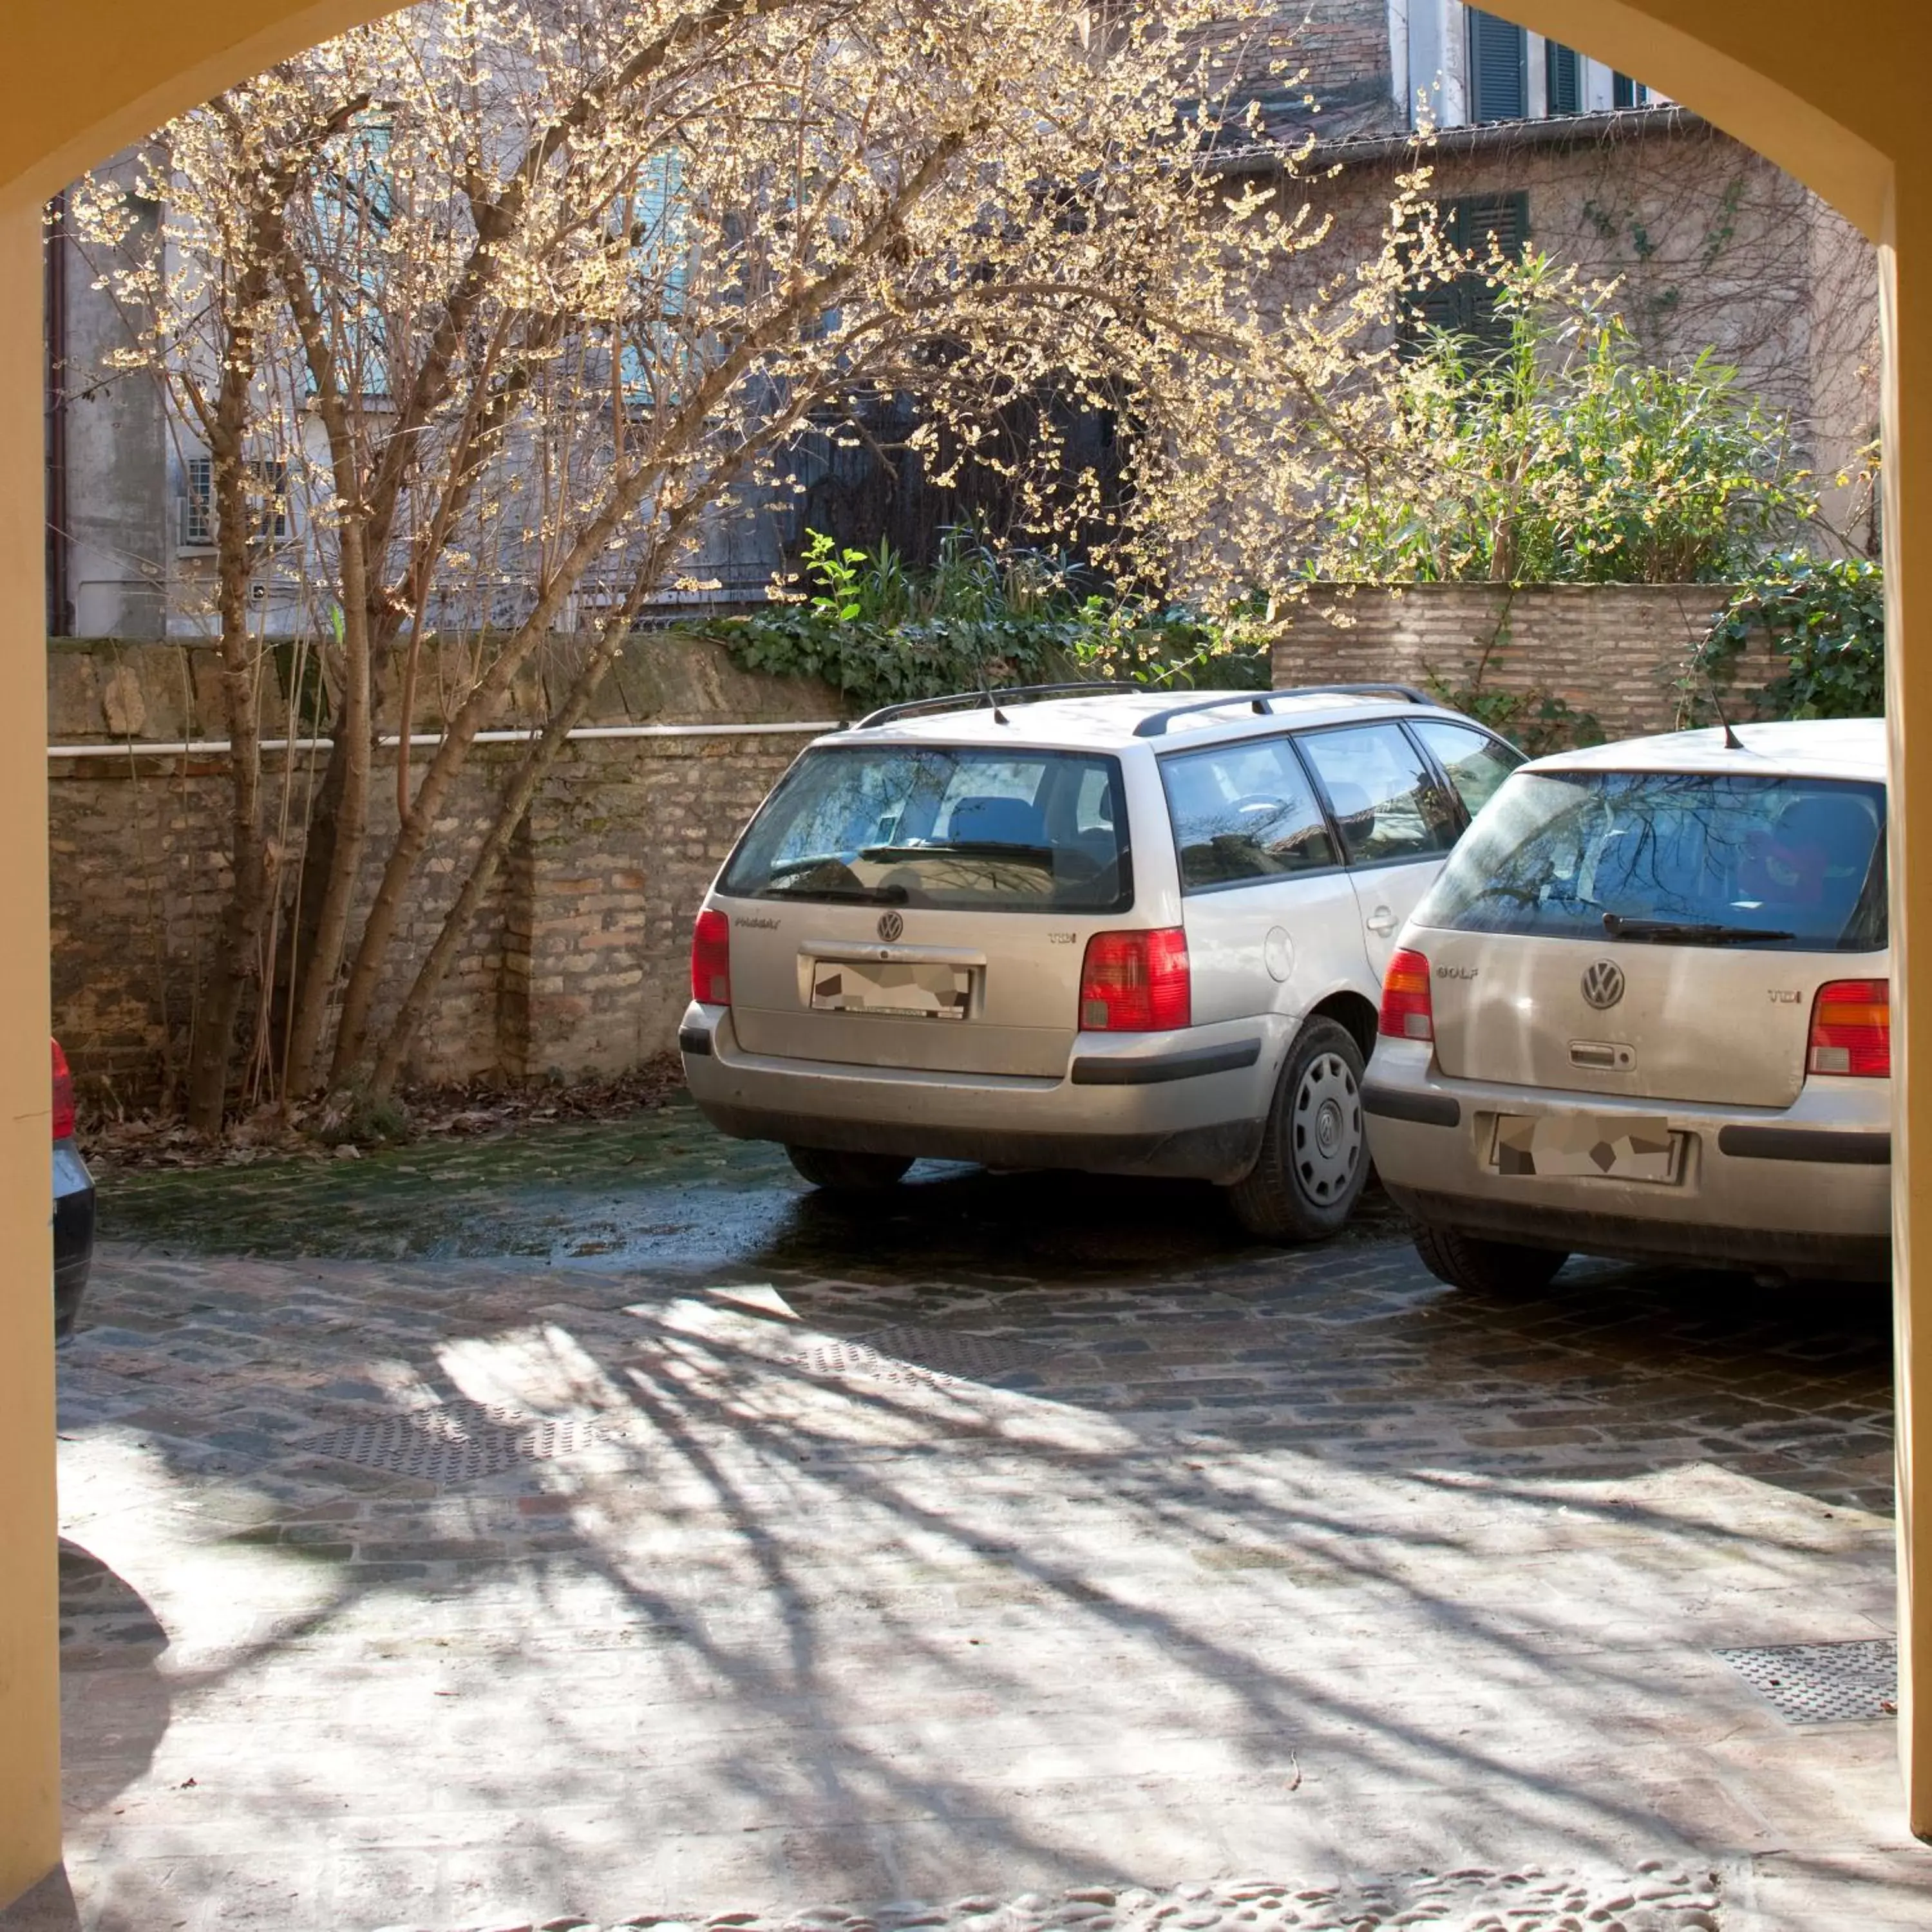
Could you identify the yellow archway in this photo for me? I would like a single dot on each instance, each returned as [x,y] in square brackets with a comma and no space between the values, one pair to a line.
[1837,106]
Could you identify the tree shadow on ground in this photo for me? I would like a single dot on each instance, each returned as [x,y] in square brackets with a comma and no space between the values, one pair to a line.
[853,1628]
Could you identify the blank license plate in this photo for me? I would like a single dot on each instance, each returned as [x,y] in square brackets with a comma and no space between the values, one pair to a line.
[910,989]
[1590,1146]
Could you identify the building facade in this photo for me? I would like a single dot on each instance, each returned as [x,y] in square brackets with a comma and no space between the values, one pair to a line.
[1711,246]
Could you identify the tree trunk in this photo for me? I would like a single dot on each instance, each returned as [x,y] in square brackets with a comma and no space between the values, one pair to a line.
[511,809]
[444,768]
[236,961]
[693,420]
[354,747]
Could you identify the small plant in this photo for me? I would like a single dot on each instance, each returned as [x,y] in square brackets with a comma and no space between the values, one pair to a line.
[1535,721]
[357,1117]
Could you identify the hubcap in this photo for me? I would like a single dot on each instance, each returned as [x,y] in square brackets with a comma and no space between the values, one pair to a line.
[1327,1128]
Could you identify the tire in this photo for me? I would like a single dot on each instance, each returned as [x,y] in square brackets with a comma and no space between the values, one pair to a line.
[1315,1157]
[841,1173]
[1485,1267]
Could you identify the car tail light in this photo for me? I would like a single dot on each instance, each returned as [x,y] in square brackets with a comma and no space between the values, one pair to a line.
[711,959]
[1851,1029]
[1407,1012]
[1136,983]
[63,1097]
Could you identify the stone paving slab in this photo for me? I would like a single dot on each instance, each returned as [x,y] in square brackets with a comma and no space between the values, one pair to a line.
[1300,1566]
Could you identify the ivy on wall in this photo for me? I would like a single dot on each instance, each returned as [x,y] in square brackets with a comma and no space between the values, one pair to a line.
[884,632]
[1826,619]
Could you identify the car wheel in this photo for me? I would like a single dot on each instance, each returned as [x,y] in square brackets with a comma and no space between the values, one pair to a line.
[1314,1157]
[838,1172]
[1486,1267]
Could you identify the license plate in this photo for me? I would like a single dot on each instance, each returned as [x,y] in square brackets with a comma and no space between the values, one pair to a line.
[1588,1147]
[907,989]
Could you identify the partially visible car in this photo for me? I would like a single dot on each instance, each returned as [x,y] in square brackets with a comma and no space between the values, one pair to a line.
[73,1205]
[1645,1013]
[1119,930]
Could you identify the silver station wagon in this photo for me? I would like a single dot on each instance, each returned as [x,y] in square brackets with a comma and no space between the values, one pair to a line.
[1113,930]
[1645,1013]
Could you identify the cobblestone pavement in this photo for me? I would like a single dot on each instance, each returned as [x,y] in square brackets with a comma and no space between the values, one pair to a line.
[1025,1546]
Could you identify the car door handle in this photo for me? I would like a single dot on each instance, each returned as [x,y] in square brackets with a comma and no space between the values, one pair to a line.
[1381,921]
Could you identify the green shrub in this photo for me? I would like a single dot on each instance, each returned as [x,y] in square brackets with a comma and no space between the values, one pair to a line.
[1827,620]
[884,632]
[1563,455]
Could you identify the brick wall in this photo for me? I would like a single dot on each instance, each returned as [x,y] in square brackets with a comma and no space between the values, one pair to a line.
[576,963]
[1609,649]
[1321,68]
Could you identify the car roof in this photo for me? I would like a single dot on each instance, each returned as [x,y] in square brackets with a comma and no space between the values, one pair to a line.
[1839,748]
[1109,721]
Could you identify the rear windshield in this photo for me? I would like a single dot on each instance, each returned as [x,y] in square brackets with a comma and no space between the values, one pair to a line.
[942,826]
[1664,858]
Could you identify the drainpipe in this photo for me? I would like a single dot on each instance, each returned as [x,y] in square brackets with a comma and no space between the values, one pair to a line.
[60,600]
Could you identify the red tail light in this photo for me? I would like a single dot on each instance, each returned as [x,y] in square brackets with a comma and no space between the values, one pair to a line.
[63,1097]
[1851,1030]
[1407,1012]
[711,959]
[1136,983]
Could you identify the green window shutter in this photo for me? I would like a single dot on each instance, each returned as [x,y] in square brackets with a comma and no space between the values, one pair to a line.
[1564,69]
[1467,306]
[1474,221]
[1436,311]
[1625,92]
[1498,68]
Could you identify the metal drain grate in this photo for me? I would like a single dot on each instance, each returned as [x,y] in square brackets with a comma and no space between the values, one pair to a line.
[908,1355]
[1822,1683]
[457,1442]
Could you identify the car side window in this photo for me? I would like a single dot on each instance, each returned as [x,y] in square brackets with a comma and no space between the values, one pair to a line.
[1385,799]
[1476,763]
[1244,812]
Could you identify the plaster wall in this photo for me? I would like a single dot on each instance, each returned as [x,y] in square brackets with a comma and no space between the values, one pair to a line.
[117,522]
[1710,246]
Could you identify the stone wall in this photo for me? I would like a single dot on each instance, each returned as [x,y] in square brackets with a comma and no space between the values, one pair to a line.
[576,964]
[1612,650]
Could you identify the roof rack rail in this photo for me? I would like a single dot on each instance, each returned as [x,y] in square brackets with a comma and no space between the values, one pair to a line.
[983,700]
[1259,702]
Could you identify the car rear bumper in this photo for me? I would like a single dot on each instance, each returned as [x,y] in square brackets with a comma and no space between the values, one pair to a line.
[1807,1189]
[1189,1104]
[74,1235]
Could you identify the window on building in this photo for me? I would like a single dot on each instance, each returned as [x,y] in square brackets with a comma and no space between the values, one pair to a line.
[652,213]
[1466,307]
[267,489]
[352,204]
[1498,68]
[1625,92]
[1563,69]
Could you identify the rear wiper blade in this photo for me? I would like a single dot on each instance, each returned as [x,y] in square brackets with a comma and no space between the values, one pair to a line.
[1687,932]
[840,895]
[971,848]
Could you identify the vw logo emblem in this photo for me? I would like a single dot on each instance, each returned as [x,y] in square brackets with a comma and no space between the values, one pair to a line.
[1603,984]
[890,926]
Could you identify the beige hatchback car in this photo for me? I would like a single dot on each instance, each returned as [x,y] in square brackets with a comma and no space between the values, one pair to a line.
[1127,931]
[1645,1013]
